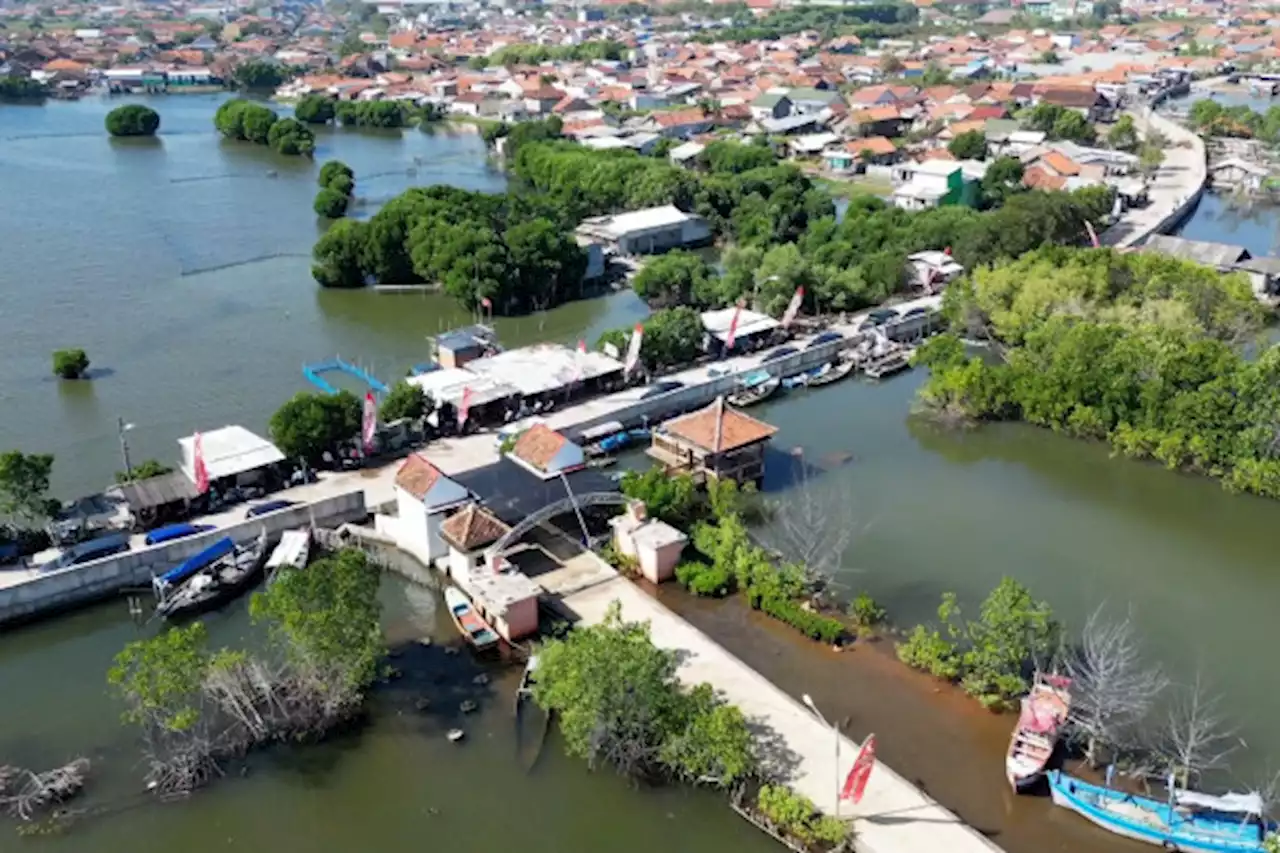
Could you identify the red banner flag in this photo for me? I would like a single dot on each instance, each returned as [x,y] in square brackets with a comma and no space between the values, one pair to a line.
[794,308]
[484,300]
[464,409]
[855,784]
[1093,235]
[369,426]
[582,346]
[733,328]
[201,472]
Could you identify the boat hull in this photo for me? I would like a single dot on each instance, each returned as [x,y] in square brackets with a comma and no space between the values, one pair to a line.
[1073,794]
[467,620]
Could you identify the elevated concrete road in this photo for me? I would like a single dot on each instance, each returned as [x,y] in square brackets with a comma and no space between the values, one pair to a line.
[893,817]
[1175,190]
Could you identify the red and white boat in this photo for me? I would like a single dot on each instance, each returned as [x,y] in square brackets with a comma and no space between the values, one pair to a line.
[1040,723]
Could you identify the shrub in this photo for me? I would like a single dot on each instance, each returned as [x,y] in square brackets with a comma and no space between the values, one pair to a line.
[815,626]
[704,579]
[795,815]
[70,363]
[928,650]
[331,204]
[865,612]
[133,120]
[331,169]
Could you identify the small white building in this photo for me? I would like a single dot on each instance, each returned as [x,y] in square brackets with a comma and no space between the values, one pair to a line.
[751,325]
[424,499]
[925,184]
[655,229]
[932,270]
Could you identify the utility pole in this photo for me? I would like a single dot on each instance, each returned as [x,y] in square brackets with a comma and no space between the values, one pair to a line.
[835,729]
[122,428]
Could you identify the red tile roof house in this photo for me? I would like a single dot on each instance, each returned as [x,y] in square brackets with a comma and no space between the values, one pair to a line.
[546,453]
[425,498]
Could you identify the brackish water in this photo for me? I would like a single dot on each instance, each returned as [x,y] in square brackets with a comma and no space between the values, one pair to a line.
[108,252]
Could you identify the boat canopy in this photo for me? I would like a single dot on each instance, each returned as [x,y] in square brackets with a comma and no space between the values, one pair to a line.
[196,562]
[602,431]
[754,378]
[1246,804]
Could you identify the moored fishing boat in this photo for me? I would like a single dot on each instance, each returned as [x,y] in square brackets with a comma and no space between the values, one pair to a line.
[222,580]
[878,367]
[832,372]
[1190,821]
[525,690]
[755,387]
[1035,737]
[473,629]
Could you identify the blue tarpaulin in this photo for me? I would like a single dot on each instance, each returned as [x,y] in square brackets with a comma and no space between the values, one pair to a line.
[195,563]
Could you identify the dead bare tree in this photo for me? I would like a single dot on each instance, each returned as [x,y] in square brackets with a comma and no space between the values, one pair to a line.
[1111,688]
[813,530]
[25,793]
[1196,736]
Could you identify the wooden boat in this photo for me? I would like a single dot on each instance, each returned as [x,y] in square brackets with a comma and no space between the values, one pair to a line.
[525,690]
[832,372]
[293,549]
[224,579]
[888,364]
[1231,823]
[1035,737]
[473,629]
[755,387]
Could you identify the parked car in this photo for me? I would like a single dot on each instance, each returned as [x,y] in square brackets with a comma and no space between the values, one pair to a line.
[657,389]
[880,316]
[824,338]
[268,506]
[917,311]
[780,352]
[176,531]
[94,549]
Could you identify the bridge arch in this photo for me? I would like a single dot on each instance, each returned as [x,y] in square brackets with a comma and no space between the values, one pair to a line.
[551,510]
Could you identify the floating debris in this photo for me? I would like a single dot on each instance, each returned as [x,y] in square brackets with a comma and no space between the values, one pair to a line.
[456,735]
[422,704]
[468,706]
[480,679]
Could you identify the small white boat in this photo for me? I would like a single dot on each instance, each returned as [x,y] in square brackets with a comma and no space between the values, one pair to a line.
[294,549]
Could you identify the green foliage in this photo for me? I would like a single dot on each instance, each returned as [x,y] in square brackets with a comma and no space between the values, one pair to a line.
[291,137]
[24,484]
[1062,123]
[133,120]
[672,336]
[16,88]
[733,158]
[310,424]
[144,470]
[1124,134]
[405,400]
[339,255]
[326,618]
[815,626]
[260,74]
[383,114]
[315,109]
[989,655]
[160,678]
[871,21]
[703,579]
[1214,119]
[970,145]
[618,702]
[1003,179]
[70,363]
[537,54]
[331,203]
[331,169]
[866,612]
[796,816]
[673,278]
[673,499]
[244,120]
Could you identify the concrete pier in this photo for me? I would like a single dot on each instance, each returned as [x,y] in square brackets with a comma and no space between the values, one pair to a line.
[893,817]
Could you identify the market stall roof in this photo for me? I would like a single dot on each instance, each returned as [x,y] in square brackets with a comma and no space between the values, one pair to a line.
[543,367]
[717,323]
[157,491]
[448,384]
[228,451]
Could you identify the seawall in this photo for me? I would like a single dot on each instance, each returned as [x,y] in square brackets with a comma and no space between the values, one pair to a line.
[75,585]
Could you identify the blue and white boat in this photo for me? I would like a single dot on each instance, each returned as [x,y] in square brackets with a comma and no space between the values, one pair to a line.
[1189,821]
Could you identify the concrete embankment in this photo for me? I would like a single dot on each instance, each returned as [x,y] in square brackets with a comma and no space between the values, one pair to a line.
[893,817]
[46,591]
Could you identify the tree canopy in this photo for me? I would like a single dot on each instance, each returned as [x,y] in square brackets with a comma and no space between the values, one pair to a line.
[70,363]
[260,74]
[314,109]
[618,703]
[252,122]
[292,137]
[970,145]
[1061,123]
[24,485]
[1140,350]
[672,336]
[14,87]
[405,400]
[133,120]
[370,113]
[673,278]
[309,425]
